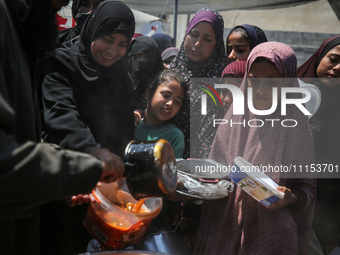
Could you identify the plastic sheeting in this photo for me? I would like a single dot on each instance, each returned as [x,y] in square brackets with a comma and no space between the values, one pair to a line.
[158,7]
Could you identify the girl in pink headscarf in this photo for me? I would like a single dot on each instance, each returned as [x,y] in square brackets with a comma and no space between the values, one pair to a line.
[233,74]
[238,224]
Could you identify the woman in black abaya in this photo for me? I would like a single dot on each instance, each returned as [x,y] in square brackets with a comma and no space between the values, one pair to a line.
[84,95]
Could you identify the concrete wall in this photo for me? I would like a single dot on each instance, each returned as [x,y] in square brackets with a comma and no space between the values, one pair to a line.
[303,27]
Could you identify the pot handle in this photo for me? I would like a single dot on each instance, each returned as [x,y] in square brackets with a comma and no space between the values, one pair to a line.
[130,169]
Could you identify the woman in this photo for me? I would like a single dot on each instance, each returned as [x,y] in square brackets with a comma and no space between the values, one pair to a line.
[238,224]
[168,55]
[323,69]
[144,64]
[84,94]
[201,55]
[81,9]
[241,40]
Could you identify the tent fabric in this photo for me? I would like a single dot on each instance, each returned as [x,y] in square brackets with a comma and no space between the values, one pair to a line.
[191,6]
[336,7]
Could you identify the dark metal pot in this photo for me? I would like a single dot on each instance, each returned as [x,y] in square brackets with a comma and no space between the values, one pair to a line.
[150,168]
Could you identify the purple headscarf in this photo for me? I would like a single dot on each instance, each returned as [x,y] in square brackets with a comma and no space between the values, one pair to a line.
[214,65]
[208,16]
[239,224]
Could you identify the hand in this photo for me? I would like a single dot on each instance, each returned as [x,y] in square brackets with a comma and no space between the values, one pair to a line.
[80,199]
[113,165]
[289,198]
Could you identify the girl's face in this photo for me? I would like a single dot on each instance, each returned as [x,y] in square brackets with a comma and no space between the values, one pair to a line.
[263,88]
[165,103]
[109,48]
[238,48]
[329,67]
[200,42]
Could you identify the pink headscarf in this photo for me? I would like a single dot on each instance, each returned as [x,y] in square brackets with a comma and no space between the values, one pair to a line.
[276,145]
[239,224]
[237,69]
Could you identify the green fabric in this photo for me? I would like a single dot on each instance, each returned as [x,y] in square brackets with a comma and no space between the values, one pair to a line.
[167,131]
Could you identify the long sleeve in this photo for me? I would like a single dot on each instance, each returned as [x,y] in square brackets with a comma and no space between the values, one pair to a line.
[63,123]
[34,174]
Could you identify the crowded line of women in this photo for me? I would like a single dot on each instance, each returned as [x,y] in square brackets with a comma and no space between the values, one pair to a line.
[101,89]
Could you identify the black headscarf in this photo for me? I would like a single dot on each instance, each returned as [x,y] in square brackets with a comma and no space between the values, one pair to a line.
[109,17]
[85,103]
[143,72]
[72,32]
[162,40]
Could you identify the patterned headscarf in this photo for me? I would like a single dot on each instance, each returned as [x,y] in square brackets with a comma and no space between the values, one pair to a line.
[237,69]
[239,215]
[214,65]
[285,62]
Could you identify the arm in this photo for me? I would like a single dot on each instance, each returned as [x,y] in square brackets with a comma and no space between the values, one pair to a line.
[64,125]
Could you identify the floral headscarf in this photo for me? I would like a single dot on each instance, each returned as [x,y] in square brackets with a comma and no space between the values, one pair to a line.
[214,65]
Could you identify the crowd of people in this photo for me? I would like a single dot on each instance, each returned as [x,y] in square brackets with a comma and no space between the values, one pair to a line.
[70,102]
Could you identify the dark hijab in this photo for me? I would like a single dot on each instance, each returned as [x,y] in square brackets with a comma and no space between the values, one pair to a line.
[80,18]
[325,125]
[141,73]
[162,40]
[326,121]
[255,35]
[88,97]
[308,69]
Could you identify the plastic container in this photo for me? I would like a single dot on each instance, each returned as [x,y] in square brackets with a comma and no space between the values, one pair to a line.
[112,225]
[254,182]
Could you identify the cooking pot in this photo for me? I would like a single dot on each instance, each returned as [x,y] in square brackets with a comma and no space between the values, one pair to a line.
[150,168]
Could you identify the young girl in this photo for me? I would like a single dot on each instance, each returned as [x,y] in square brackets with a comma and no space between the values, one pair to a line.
[232,74]
[241,40]
[164,97]
[238,224]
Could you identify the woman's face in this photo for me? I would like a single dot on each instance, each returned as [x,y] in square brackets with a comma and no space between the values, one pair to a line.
[329,67]
[200,42]
[165,103]
[265,79]
[238,48]
[109,48]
